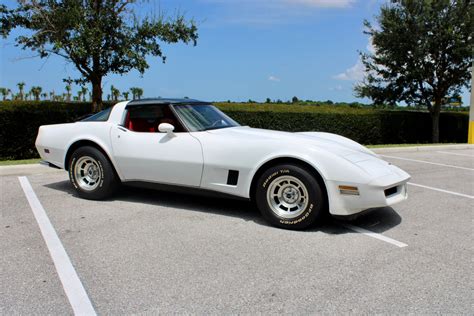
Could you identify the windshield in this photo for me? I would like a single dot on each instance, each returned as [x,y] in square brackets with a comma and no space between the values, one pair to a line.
[203,117]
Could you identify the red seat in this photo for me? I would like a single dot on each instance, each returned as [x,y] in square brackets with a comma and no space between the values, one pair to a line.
[139,124]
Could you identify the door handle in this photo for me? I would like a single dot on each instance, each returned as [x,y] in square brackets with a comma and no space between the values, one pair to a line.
[121,128]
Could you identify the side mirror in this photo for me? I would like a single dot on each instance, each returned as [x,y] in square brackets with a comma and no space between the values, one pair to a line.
[165,128]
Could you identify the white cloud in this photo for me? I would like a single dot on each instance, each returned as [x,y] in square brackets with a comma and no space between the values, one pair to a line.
[356,72]
[273,78]
[322,3]
[370,46]
[274,3]
[269,12]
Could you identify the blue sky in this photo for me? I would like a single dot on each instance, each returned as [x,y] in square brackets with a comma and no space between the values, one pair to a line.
[247,49]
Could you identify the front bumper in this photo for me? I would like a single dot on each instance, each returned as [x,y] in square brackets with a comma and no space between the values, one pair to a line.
[381,191]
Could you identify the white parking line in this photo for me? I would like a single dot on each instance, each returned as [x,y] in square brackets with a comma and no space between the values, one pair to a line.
[72,285]
[456,154]
[441,190]
[429,162]
[374,235]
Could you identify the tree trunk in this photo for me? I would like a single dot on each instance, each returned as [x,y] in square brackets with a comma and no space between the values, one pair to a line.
[435,120]
[96,94]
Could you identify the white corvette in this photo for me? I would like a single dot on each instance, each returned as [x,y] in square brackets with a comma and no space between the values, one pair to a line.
[294,178]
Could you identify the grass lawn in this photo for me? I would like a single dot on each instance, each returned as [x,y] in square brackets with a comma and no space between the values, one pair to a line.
[19,162]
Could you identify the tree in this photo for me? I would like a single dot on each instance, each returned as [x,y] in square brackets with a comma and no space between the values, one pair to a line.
[21,86]
[84,91]
[268,100]
[68,91]
[98,37]
[4,92]
[136,92]
[115,93]
[423,51]
[36,92]
[44,95]
[125,95]
[294,100]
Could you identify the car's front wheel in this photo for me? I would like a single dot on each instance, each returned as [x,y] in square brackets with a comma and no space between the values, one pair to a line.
[289,196]
[91,174]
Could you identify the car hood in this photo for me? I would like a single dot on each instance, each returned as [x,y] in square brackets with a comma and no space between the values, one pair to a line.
[336,144]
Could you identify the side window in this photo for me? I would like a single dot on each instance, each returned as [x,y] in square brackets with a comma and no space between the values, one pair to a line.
[102,116]
[147,118]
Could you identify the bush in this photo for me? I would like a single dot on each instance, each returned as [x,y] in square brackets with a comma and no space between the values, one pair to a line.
[19,122]
[378,127]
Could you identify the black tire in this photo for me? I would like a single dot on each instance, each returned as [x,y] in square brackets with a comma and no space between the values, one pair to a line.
[107,180]
[280,179]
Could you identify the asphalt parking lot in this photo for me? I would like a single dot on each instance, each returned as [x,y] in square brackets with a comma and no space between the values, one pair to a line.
[153,251]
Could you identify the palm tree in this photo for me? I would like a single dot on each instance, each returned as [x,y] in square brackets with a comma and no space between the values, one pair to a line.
[114,93]
[136,92]
[133,91]
[139,93]
[79,96]
[36,92]
[68,92]
[84,91]
[44,95]
[21,85]
[125,95]
[4,92]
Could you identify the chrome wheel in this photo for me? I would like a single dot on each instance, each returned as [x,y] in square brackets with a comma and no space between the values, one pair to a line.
[87,173]
[287,197]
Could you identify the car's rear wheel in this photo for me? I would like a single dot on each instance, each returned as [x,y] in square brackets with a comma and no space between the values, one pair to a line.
[91,174]
[289,196]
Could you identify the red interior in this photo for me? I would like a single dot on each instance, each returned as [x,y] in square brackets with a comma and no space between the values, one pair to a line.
[148,125]
[139,124]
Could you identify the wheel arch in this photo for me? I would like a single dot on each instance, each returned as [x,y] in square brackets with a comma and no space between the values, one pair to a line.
[288,160]
[82,143]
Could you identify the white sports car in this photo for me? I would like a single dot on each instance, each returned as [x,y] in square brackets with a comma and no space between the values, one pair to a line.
[294,178]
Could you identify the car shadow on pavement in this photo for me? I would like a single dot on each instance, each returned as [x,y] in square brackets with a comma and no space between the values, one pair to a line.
[377,220]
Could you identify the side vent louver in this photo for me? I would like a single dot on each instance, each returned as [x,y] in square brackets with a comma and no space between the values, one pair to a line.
[233,177]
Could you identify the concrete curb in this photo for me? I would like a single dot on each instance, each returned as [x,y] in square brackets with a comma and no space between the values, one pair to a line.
[26,169]
[21,166]
[421,148]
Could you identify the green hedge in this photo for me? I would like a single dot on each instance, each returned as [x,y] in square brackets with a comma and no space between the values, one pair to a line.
[378,127]
[19,122]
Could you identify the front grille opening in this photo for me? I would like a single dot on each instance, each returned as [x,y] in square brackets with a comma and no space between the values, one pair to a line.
[391,191]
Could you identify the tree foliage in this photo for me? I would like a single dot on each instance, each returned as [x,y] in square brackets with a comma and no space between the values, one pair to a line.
[423,51]
[99,37]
